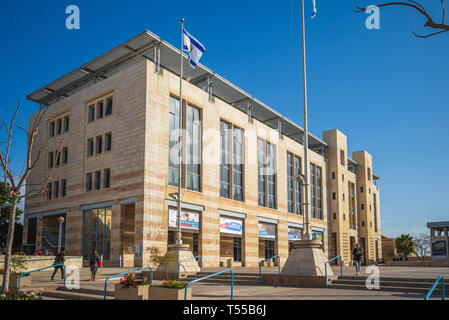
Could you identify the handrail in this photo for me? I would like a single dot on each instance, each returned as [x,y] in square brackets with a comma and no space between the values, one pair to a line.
[440,277]
[210,276]
[341,266]
[260,266]
[52,266]
[127,272]
[181,261]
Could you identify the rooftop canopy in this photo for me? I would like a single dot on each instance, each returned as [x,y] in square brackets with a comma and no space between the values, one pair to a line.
[151,47]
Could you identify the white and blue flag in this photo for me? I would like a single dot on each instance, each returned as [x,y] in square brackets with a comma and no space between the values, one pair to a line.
[194,48]
[314,9]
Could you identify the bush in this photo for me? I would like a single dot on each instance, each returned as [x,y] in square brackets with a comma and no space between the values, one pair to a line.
[173,284]
[21,296]
[130,281]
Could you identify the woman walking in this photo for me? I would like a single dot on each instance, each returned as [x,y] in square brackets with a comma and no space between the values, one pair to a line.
[94,263]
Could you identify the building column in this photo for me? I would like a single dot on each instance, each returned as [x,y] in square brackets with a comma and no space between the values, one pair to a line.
[209,239]
[39,231]
[116,239]
[251,242]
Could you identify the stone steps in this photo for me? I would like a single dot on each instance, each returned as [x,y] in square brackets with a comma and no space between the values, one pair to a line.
[74,295]
[225,278]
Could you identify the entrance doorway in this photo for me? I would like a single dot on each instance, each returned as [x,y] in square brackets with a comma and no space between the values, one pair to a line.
[231,234]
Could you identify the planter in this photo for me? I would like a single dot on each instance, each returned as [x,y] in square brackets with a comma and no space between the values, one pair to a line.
[137,293]
[159,293]
[25,282]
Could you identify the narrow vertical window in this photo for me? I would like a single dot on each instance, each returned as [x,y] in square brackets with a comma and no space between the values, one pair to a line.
[272,176]
[56,189]
[91,113]
[99,144]
[59,126]
[261,160]
[100,109]
[58,158]
[89,182]
[298,185]
[193,148]
[97,180]
[90,147]
[237,167]
[63,188]
[49,190]
[50,159]
[108,143]
[319,198]
[313,190]
[225,165]
[66,123]
[290,183]
[52,129]
[65,155]
[108,107]
[173,155]
[107,178]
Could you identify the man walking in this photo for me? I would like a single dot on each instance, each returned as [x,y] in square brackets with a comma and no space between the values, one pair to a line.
[59,260]
[357,255]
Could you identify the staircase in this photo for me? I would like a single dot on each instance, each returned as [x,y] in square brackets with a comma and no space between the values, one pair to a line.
[79,294]
[405,285]
[251,279]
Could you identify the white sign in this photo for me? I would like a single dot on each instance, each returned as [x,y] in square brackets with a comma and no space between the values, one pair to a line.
[231,226]
[189,220]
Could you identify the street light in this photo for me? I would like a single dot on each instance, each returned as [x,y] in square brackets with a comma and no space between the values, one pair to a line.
[60,221]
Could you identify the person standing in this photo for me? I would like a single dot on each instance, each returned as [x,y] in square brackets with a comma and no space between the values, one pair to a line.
[60,259]
[94,263]
[357,256]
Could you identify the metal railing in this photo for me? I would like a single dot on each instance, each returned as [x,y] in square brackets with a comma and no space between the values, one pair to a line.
[127,272]
[181,261]
[210,276]
[327,262]
[440,278]
[29,272]
[260,266]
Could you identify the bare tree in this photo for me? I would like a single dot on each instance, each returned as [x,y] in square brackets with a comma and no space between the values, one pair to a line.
[430,22]
[14,181]
[422,245]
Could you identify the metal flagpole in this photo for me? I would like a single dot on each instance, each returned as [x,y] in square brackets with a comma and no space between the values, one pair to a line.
[180,141]
[306,217]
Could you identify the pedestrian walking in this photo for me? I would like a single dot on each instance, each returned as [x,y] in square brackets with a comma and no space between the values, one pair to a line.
[94,263]
[357,255]
[59,259]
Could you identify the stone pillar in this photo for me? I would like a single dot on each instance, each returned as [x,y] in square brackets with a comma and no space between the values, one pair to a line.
[39,226]
[251,242]
[116,241]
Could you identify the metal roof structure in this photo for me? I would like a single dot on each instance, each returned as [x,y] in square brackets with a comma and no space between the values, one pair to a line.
[151,47]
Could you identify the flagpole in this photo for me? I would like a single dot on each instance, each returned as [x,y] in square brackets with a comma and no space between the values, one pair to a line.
[306,217]
[180,141]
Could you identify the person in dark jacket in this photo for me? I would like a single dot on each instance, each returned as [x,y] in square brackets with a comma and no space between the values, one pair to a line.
[357,256]
[93,264]
[60,259]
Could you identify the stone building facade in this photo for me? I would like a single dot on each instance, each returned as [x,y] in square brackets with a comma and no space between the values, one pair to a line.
[113,182]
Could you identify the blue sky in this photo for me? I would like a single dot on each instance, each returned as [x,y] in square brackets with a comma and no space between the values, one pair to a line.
[385,89]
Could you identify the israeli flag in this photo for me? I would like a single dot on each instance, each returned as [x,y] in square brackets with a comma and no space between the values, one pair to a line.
[194,48]
[314,9]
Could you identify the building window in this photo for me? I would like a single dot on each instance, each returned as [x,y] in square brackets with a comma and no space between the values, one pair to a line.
[293,185]
[173,151]
[97,180]
[343,195]
[100,107]
[108,145]
[333,175]
[361,189]
[56,189]
[316,185]
[59,126]
[52,129]
[375,211]
[99,144]
[193,140]
[107,178]
[342,158]
[63,188]
[298,186]
[290,183]
[65,155]
[91,113]
[342,177]
[49,190]
[363,223]
[369,174]
[50,159]
[108,107]
[225,163]
[362,206]
[97,232]
[335,215]
[237,166]
[66,123]
[267,173]
[89,182]
[90,147]
[334,196]
[58,158]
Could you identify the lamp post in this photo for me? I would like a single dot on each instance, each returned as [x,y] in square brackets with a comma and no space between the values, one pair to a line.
[60,221]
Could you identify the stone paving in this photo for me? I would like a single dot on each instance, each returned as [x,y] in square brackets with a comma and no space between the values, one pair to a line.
[204,291]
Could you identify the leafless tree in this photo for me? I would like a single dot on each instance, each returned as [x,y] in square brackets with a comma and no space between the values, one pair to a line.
[15,181]
[422,245]
[430,22]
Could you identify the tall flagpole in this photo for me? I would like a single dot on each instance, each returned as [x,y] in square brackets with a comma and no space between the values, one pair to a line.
[306,217]
[180,140]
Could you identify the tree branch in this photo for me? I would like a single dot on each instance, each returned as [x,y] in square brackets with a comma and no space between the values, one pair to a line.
[430,23]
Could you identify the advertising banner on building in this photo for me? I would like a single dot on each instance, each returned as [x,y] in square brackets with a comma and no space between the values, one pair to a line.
[318,236]
[231,226]
[294,233]
[189,220]
[439,248]
[267,230]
